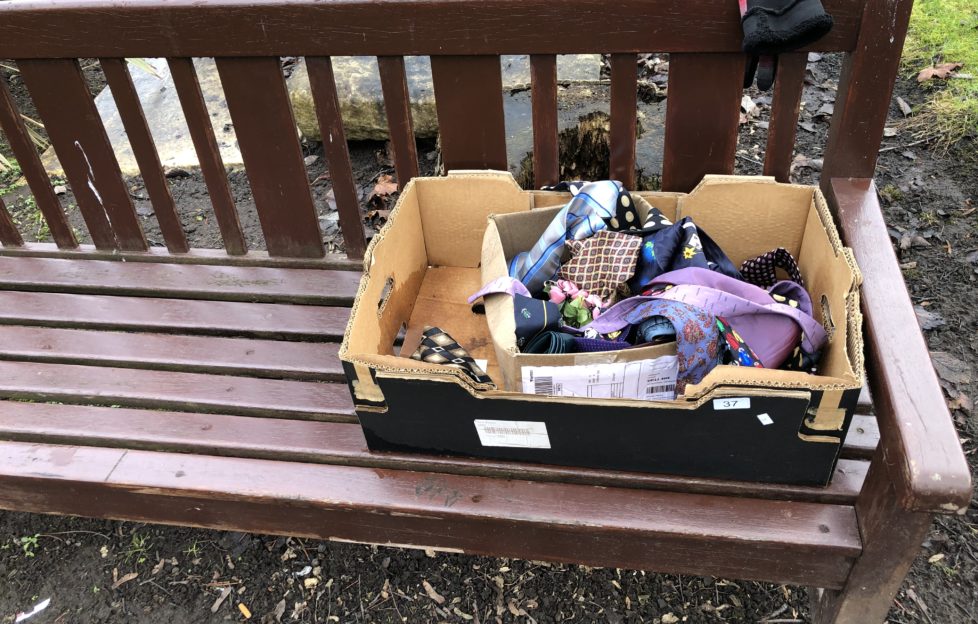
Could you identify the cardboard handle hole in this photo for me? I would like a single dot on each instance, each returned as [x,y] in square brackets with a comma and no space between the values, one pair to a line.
[827,321]
[385,294]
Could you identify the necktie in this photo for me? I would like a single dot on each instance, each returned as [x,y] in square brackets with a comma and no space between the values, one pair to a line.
[592,209]
[697,338]
[762,270]
[533,317]
[678,246]
[437,347]
[602,263]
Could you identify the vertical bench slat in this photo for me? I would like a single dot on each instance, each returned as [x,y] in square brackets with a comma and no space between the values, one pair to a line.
[208,154]
[9,236]
[624,95]
[143,148]
[546,157]
[323,86]
[397,104]
[68,111]
[258,101]
[868,72]
[784,114]
[33,170]
[702,115]
[469,101]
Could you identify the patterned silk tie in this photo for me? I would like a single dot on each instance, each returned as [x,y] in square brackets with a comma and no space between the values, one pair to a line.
[593,208]
[437,347]
[762,270]
[602,264]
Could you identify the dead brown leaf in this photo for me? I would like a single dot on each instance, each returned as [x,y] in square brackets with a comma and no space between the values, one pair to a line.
[124,579]
[942,71]
[962,402]
[385,186]
[432,593]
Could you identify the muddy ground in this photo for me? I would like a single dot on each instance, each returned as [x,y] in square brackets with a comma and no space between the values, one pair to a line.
[98,571]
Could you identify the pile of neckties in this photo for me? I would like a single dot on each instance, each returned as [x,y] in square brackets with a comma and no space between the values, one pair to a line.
[636,282]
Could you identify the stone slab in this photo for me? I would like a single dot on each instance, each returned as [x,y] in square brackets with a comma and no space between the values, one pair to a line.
[361,98]
[161,106]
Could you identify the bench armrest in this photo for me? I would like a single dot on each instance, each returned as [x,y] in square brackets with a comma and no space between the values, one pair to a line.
[918,441]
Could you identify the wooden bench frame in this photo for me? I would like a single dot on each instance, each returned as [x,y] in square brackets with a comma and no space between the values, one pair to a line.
[239,346]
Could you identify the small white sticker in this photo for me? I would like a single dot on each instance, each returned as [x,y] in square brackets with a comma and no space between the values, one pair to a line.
[513,433]
[765,419]
[732,403]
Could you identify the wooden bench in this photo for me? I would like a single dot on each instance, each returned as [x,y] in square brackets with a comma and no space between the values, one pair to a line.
[202,387]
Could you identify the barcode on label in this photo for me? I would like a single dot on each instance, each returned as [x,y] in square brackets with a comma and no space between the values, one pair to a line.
[513,433]
[660,389]
[543,385]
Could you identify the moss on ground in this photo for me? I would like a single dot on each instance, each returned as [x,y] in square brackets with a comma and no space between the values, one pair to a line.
[945,31]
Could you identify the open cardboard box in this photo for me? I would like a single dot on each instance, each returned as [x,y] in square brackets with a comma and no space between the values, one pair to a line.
[738,423]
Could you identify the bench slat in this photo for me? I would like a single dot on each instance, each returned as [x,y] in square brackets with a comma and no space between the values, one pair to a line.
[214,318]
[789,542]
[342,443]
[624,93]
[397,105]
[71,120]
[322,83]
[469,102]
[546,159]
[193,354]
[143,148]
[784,115]
[30,164]
[265,128]
[208,154]
[97,385]
[308,286]
[702,115]
[862,438]
[193,256]
[9,235]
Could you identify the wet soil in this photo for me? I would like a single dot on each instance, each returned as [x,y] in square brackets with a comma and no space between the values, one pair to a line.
[86,567]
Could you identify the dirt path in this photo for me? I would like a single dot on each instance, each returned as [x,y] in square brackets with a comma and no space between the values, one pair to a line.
[86,568]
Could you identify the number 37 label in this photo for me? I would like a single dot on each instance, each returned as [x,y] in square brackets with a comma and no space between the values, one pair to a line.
[732,403]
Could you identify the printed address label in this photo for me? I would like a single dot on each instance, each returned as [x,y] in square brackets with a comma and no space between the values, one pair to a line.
[513,433]
[731,403]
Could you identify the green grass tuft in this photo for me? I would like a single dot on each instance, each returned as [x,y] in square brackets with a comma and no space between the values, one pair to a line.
[945,31]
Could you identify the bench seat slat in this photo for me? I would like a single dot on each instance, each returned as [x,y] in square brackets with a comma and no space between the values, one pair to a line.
[862,438]
[215,318]
[309,286]
[343,443]
[194,354]
[97,385]
[790,542]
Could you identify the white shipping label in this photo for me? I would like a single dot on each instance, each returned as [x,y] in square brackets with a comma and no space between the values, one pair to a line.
[732,403]
[647,380]
[514,433]
[765,419]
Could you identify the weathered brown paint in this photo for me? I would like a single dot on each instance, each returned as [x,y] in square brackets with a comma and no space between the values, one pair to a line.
[624,93]
[30,165]
[784,115]
[143,148]
[323,85]
[9,236]
[79,139]
[397,105]
[208,154]
[543,79]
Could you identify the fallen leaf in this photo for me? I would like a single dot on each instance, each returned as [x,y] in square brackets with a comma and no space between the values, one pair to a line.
[432,593]
[244,611]
[942,71]
[158,567]
[807,126]
[384,187]
[60,189]
[962,402]
[104,551]
[669,618]
[936,558]
[927,319]
[310,582]
[279,610]
[124,579]
[950,368]
[904,107]
[749,108]
[890,132]
[430,553]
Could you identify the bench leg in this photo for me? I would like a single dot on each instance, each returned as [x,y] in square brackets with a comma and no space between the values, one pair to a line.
[891,540]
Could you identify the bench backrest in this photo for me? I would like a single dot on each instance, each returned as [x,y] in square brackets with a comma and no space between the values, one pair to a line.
[464,39]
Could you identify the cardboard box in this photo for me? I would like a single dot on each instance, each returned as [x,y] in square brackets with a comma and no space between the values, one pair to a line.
[738,423]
